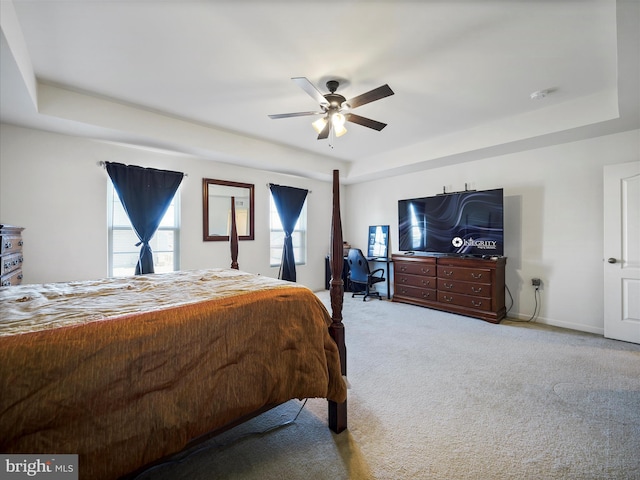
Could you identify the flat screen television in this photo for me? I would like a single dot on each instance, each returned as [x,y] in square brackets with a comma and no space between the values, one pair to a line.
[463,223]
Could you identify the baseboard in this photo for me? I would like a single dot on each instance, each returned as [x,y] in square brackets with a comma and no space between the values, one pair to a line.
[556,323]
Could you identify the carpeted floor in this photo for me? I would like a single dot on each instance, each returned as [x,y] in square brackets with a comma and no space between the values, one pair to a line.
[440,396]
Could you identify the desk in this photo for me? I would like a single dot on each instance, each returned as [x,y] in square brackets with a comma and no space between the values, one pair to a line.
[345,272]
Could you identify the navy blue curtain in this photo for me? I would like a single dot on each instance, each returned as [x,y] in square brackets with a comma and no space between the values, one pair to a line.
[289,202]
[145,193]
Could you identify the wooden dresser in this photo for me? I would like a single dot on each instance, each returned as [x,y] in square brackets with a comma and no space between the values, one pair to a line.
[467,286]
[11,255]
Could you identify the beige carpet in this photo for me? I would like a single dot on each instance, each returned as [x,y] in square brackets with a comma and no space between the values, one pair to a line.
[439,396]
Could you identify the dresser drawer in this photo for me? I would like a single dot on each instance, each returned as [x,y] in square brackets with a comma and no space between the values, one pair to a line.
[10,244]
[415,268]
[415,292]
[415,281]
[479,275]
[13,278]
[10,262]
[467,288]
[10,255]
[476,303]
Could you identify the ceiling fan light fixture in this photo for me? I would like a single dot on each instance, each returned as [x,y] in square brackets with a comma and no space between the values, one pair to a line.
[336,109]
[337,121]
[319,124]
[339,131]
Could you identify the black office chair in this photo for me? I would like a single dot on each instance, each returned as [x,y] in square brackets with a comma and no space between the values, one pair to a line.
[360,277]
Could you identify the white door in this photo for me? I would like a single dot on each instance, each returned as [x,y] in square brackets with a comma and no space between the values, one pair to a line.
[622,252]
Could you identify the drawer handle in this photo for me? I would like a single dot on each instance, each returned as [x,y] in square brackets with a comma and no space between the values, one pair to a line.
[403,280]
[448,286]
[8,245]
[425,283]
[403,268]
[7,264]
[15,262]
[476,304]
[20,243]
[477,276]
[426,294]
[425,270]
[6,283]
[447,299]
[20,277]
[448,273]
[476,290]
[21,259]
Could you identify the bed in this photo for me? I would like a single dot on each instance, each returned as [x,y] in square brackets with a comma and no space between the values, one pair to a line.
[124,372]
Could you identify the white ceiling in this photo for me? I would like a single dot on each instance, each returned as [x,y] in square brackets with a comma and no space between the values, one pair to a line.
[200,77]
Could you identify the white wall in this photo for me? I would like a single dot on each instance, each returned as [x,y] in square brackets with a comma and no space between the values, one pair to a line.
[51,185]
[553,220]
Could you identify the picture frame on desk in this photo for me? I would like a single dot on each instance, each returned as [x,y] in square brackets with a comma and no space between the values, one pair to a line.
[378,242]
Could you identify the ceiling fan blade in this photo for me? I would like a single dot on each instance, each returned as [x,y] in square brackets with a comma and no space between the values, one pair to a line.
[365,122]
[370,96]
[310,88]
[325,131]
[297,114]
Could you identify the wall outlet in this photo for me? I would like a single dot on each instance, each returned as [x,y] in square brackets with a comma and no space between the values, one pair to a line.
[536,282]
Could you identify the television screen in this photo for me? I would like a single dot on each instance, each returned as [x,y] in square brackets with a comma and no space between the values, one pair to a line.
[463,223]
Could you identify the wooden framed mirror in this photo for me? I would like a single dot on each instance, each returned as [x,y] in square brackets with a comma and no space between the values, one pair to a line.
[216,209]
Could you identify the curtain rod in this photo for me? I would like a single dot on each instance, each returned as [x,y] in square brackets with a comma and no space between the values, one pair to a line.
[103,164]
[269,186]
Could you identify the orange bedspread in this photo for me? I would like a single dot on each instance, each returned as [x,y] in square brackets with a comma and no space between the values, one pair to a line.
[126,371]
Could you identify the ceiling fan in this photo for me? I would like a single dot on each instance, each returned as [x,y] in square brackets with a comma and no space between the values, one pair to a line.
[336,109]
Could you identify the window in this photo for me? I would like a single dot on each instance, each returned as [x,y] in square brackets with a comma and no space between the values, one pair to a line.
[299,236]
[123,253]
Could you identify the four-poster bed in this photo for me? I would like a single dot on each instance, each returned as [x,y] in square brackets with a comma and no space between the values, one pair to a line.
[124,372]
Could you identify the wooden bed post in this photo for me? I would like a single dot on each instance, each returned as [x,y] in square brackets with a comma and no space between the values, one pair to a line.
[337,411]
[233,236]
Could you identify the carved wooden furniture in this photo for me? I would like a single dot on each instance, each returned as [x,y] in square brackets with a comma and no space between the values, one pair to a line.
[467,286]
[10,255]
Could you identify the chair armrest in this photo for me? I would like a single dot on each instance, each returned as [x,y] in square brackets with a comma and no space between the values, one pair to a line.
[381,270]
